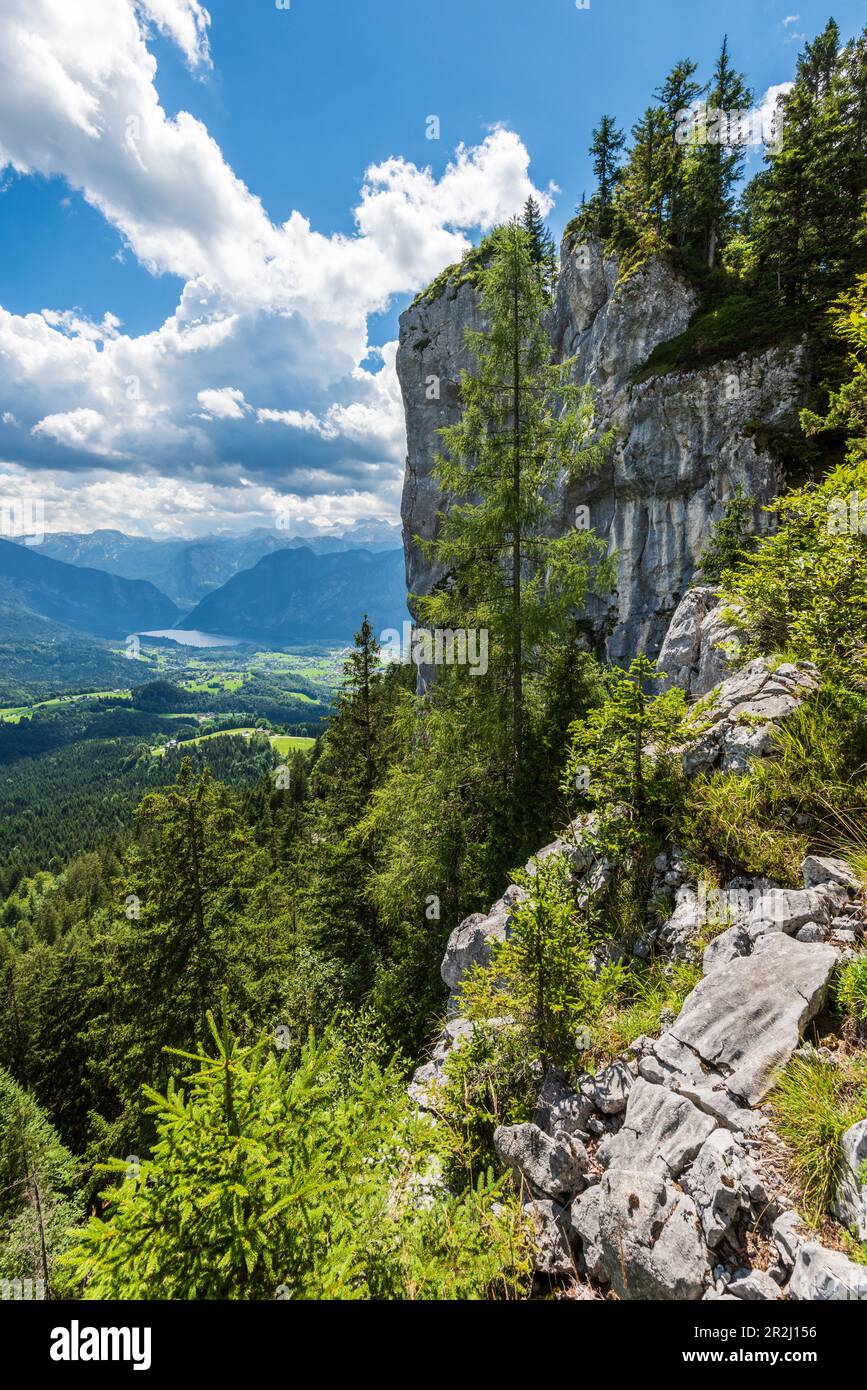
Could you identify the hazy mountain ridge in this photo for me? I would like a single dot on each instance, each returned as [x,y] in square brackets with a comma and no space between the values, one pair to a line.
[294,595]
[87,599]
[188,569]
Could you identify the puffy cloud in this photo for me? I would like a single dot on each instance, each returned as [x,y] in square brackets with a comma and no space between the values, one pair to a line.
[224,403]
[186,22]
[279,311]
[165,507]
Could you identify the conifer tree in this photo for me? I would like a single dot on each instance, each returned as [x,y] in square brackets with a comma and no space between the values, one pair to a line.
[677,94]
[543,252]
[717,161]
[605,150]
[524,425]
[639,204]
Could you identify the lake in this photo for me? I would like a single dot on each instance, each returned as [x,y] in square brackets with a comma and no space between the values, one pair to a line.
[192,637]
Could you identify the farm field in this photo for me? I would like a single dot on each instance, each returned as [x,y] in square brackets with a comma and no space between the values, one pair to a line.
[281,743]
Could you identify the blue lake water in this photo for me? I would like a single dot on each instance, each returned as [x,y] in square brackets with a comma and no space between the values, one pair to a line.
[192,637]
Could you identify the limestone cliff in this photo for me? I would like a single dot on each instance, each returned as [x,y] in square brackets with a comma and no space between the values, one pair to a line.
[684,440]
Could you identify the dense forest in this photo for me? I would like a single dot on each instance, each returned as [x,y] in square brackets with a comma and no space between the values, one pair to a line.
[222,1001]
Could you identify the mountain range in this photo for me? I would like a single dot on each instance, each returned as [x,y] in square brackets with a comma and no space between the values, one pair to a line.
[294,595]
[88,600]
[187,570]
[291,593]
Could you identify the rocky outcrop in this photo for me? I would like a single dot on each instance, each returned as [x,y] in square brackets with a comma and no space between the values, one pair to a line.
[739,720]
[741,1024]
[646,1176]
[702,642]
[684,441]
[850,1202]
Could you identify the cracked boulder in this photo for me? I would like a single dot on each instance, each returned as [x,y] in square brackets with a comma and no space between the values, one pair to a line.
[610,1088]
[551,1229]
[642,1236]
[723,1185]
[741,1024]
[661,1131]
[700,643]
[550,1167]
[788,909]
[822,1275]
[473,942]
[560,1108]
[818,870]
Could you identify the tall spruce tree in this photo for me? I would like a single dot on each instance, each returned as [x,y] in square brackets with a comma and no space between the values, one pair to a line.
[543,252]
[605,151]
[677,94]
[524,426]
[717,162]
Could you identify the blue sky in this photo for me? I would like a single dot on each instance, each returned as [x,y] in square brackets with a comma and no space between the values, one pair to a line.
[185,192]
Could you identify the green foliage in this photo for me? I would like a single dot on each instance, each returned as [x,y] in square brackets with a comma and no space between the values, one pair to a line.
[762,821]
[491,1078]
[39,1197]
[543,965]
[814,1102]
[573,1011]
[543,252]
[804,590]
[524,427]
[268,1181]
[618,758]
[732,540]
[850,990]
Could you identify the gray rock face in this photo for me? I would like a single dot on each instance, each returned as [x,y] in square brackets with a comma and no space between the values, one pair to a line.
[473,941]
[722,1184]
[725,948]
[429,364]
[818,870]
[641,1235]
[740,1024]
[553,1253]
[610,1089]
[685,441]
[661,1132]
[850,1202]
[823,1275]
[550,1167]
[788,909]
[560,1108]
[701,643]
[741,717]
[756,1286]
[429,1076]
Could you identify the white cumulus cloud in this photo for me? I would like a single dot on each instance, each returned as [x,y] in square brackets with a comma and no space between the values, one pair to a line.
[280,311]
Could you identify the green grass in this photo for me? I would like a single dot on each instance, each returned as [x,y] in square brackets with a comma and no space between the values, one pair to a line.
[289,743]
[281,743]
[814,1102]
[850,989]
